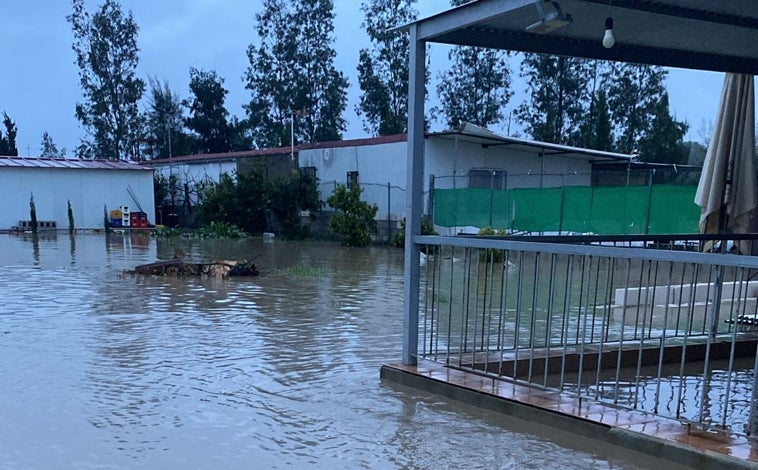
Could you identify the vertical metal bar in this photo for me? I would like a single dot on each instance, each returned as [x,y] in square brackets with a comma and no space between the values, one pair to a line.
[566,313]
[584,324]
[709,339]
[621,333]
[434,333]
[649,200]
[415,196]
[685,340]
[463,344]
[450,308]
[503,304]
[730,369]
[604,320]
[662,346]
[533,321]
[518,312]
[389,213]
[475,330]
[426,310]
[549,320]
[488,313]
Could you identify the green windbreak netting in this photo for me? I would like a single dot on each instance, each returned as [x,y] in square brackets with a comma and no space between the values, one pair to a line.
[657,209]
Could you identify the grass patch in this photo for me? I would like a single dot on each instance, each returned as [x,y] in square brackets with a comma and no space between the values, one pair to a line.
[303,270]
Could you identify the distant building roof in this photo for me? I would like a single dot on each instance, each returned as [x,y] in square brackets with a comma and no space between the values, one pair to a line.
[466,132]
[68,163]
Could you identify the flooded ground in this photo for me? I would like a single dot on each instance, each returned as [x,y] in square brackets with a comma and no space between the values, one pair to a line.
[103,371]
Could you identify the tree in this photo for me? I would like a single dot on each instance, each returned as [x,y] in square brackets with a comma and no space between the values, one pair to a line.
[323,89]
[208,116]
[107,56]
[476,87]
[49,149]
[292,75]
[633,91]
[8,142]
[165,122]
[271,75]
[557,99]
[383,70]
[663,139]
[596,128]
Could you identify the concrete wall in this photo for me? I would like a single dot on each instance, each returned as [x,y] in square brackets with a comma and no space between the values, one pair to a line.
[87,189]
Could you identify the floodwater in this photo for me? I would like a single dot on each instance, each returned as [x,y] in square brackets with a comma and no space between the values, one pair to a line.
[100,370]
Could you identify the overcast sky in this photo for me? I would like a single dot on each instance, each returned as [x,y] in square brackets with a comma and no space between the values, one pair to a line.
[39,85]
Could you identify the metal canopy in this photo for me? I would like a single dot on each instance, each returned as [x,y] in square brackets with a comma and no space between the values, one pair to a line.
[694,34]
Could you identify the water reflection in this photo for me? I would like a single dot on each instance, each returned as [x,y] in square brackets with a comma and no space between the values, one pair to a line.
[102,370]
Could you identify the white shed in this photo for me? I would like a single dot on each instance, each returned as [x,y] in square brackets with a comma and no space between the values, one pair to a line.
[468,157]
[89,185]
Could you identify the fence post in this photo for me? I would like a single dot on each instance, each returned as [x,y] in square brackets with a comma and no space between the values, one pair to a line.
[651,173]
[389,212]
[430,201]
[492,194]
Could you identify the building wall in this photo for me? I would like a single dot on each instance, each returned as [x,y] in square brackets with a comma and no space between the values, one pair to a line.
[89,190]
[383,164]
[377,166]
[447,157]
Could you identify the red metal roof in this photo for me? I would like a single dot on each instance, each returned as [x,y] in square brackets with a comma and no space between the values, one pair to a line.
[68,163]
[278,151]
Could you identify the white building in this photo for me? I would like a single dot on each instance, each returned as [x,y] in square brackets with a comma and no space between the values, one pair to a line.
[89,185]
[468,157]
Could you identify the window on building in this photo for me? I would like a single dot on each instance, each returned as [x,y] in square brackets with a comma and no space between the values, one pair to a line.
[352,179]
[487,178]
[309,171]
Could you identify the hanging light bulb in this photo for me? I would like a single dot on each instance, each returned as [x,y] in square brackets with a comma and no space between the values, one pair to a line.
[608,39]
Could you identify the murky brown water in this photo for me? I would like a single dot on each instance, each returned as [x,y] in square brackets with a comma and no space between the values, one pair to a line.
[281,371]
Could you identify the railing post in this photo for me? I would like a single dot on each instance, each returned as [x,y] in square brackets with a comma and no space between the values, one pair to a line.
[389,213]
[415,195]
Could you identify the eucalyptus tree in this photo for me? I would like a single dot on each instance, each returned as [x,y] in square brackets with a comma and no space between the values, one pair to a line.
[49,149]
[106,50]
[383,69]
[165,121]
[8,141]
[208,117]
[292,75]
[477,86]
[638,103]
[557,99]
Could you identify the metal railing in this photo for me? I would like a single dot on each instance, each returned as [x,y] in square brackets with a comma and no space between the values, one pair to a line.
[664,331]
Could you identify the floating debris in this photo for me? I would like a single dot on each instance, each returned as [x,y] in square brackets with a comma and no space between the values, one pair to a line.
[221,269]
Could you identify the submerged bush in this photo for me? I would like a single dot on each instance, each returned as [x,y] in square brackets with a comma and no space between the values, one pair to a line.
[354,220]
[489,254]
[398,239]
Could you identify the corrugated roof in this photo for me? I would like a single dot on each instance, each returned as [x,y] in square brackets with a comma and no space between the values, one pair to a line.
[68,163]
[467,132]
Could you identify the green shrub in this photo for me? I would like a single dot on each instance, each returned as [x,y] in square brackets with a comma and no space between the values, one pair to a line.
[220,230]
[354,220]
[288,197]
[398,239]
[487,255]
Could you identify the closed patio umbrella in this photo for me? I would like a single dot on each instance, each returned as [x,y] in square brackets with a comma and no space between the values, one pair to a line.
[726,192]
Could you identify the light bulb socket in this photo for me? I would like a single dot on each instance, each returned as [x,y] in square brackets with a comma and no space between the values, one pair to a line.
[609,23]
